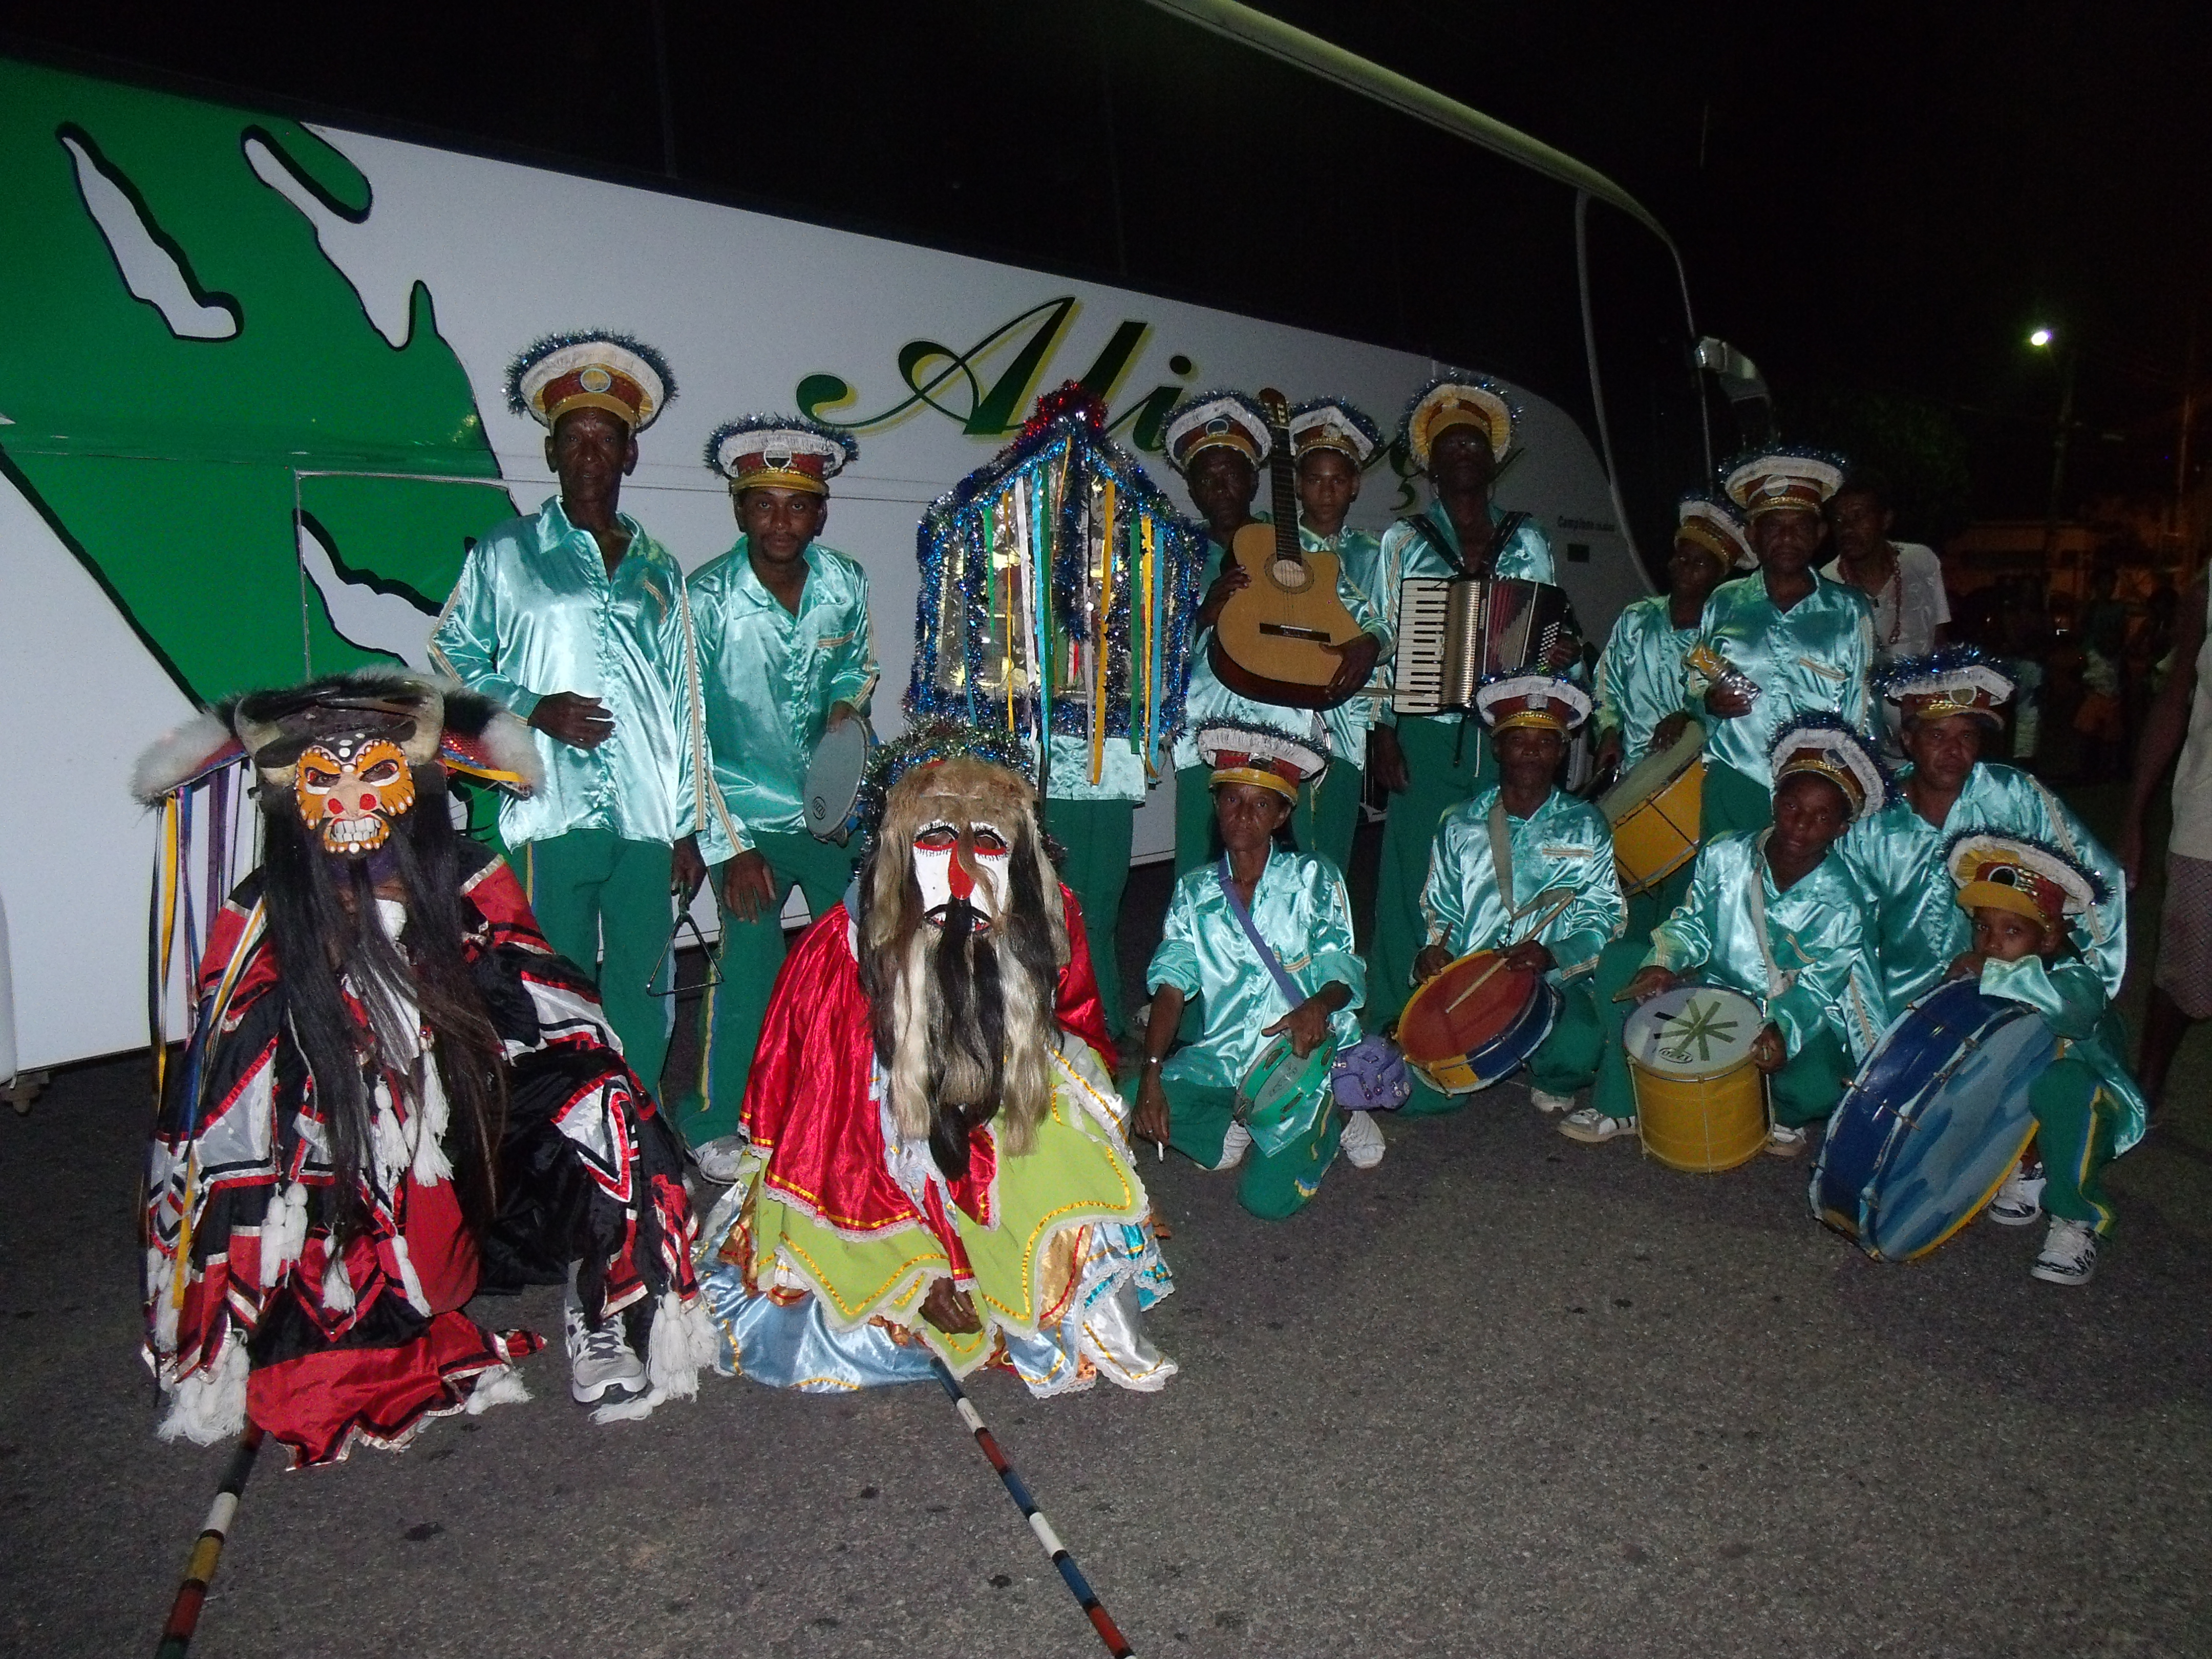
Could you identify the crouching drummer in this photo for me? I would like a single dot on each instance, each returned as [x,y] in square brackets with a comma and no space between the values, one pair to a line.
[1256,894]
[785,653]
[1526,869]
[1771,916]
[2021,895]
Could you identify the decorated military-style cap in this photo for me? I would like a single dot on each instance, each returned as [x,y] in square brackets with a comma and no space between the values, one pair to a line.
[427,720]
[1241,752]
[1958,680]
[1216,420]
[1459,399]
[1783,480]
[1710,522]
[2020,874]
[780,451]
[1330,423]
[1827,746]
[625,377]
[1552,703]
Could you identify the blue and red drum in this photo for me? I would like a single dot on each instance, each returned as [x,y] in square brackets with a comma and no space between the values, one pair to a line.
[1476,1022]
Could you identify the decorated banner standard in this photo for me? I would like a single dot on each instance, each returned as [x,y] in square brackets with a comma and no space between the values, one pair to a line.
[1059,589]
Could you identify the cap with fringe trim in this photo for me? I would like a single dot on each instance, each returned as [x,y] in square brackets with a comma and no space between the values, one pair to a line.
[1956,680]
[1216,420]
[1240,751]
[585,370]
[1332,423]
[1828,747]
[2022,875]
[1711,522]
[1788,480]
[1457,398]
[780,451]
[1552,703]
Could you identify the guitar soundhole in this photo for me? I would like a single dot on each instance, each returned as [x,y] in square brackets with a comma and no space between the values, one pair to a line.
[1291,575]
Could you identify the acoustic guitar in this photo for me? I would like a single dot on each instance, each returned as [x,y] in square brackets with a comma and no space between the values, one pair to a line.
[1270,641]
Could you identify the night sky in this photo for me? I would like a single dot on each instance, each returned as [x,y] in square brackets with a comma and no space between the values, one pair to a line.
[1877,198]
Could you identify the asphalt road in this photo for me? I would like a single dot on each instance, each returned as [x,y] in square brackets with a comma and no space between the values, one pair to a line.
[1502,1395]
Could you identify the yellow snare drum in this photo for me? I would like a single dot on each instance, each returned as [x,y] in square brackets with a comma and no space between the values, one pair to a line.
[1700,1103]
[1654,812]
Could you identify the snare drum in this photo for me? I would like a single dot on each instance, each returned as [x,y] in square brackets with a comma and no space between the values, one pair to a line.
[1654,812]
[1933,1123]
[1700,1103]
[1476,1022]
[1283,1096]
[833,780]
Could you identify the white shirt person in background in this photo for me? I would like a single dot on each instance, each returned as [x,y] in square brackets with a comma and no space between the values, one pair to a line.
[1904,580]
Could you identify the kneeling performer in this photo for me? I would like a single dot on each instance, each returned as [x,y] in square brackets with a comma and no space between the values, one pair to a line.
[1527,870]
[395,1095]
[937,1164]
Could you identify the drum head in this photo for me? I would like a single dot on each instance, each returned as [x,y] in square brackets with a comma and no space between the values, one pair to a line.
[1652,773]
[833,778]
[1694,1032]
[1471,1002]
[1933,1122]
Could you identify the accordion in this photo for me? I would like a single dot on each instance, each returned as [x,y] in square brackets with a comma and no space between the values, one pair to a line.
[1456,632]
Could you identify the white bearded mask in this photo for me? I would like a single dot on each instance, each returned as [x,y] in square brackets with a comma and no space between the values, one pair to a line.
[351,789]
[942,869]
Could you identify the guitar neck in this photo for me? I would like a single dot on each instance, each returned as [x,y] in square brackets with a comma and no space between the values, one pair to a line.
[1282,476]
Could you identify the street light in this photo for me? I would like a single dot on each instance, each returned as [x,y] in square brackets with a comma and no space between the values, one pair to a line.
[2040,339]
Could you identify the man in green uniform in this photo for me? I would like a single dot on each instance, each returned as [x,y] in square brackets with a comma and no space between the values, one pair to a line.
[786,653]
[1334,443]
[574,619]
[1777,645]
[1526,869]
[1457,430]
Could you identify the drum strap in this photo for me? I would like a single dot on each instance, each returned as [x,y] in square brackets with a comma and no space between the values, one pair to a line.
[1284,982]
[1778,981]
[1544,906]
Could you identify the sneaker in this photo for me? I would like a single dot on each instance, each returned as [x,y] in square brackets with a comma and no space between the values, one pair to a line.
[1362,1143]
[2069,1253]
[2020,1200]
[1593,1127]
[1784,1141]
[1234,1145]
[1549,1103]
[603,1367]
[719,1159]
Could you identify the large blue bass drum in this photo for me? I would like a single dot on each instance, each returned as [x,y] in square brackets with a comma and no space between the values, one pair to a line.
[1933,1123]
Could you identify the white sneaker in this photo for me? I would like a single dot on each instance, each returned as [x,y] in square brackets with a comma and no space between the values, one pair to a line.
[1234,1145]
[1593,1127]
[719,1159]
[2069,1253]
[1362,1142]
[1550,1103]
[2020,1200]
[1784,1141]
[603,1367]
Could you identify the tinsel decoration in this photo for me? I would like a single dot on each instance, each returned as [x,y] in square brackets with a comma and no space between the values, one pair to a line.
[1822,729]
[925,743]
[1059,594]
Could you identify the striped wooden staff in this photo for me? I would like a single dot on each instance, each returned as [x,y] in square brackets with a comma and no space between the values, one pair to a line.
[199,1572]
[1077,1585]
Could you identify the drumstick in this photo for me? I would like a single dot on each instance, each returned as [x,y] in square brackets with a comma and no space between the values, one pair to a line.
[1480,979]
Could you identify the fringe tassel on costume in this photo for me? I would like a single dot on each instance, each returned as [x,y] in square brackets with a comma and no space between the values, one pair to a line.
[209,1405]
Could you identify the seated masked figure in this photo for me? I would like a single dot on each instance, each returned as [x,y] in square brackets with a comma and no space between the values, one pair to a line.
[395,1095]
[938,1168]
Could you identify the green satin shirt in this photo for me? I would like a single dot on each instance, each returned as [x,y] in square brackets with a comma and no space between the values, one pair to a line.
[1810,658]
[1811,965]
[1359,564]
[1919,929]
[1303,912]
[770,678]
[1209,700]
[535,612]
[1562,860]
[1640,677]
[2071,996]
